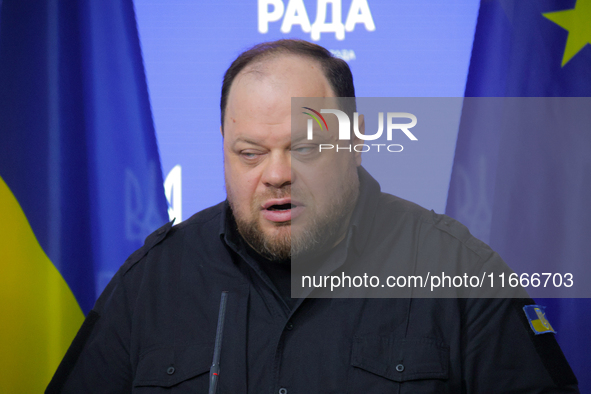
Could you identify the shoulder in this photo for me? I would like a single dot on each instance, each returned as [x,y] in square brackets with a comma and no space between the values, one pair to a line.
[202,227]
[438,245]
[433,224]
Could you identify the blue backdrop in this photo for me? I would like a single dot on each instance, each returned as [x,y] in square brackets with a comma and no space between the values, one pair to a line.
[419,48]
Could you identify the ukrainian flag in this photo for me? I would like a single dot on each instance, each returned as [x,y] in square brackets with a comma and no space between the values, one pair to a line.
[80,177]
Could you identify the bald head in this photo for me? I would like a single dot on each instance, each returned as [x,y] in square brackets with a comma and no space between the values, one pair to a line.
[267,86]
[259,60]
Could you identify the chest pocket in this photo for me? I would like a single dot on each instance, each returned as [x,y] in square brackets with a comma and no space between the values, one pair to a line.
[174,369]
[385,364]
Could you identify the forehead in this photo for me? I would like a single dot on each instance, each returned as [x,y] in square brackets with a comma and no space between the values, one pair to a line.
[265,88]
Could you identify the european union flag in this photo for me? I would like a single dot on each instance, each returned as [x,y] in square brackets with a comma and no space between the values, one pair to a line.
[80,178]
[528,195]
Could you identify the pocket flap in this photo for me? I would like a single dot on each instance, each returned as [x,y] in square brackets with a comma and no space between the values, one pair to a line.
[401,360]
[171,365]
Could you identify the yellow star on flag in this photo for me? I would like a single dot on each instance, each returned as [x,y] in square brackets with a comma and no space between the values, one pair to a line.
[578,24]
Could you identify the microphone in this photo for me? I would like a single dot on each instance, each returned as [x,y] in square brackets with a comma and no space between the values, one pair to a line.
[214,371]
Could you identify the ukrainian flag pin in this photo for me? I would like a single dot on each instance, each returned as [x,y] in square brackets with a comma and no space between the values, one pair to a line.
[536,316]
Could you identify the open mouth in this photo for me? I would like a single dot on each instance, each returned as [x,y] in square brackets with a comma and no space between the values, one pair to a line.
[281,210]
[281,207]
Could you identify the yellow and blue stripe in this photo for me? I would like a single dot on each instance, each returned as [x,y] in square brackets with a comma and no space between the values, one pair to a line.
[40,313]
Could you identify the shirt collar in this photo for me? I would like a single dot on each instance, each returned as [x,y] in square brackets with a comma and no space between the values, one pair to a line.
[228,230]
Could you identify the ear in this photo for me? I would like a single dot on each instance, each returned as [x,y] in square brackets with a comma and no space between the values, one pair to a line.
[221,132]
[357,140]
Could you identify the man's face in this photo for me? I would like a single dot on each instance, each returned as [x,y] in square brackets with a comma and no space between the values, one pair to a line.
[286,197]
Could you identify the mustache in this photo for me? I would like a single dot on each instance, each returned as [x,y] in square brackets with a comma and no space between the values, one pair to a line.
[276,193]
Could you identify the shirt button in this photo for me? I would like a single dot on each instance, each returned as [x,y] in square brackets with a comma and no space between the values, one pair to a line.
[400,367]
[282,390]
[289,326]
[170,370]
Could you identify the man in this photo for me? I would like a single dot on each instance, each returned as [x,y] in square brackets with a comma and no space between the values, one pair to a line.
[154,327]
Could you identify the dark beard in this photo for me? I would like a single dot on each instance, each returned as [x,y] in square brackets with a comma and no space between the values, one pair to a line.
[273,249]
[322,234]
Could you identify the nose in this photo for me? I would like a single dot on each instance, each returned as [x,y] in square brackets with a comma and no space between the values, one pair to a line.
[277,172]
